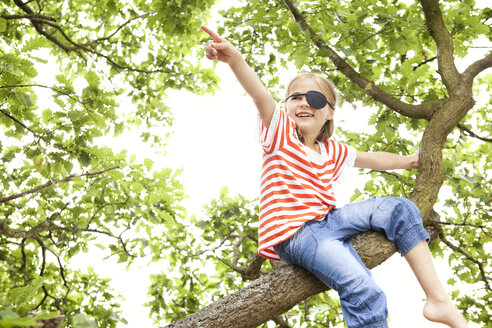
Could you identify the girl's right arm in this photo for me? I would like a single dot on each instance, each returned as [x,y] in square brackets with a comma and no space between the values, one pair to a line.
[222,50]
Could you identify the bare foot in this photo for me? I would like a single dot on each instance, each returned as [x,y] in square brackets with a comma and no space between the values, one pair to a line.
[444,312]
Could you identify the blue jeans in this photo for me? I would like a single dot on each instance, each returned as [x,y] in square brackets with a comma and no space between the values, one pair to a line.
[323,248]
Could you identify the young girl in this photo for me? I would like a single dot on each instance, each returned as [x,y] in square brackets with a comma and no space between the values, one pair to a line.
[299,223]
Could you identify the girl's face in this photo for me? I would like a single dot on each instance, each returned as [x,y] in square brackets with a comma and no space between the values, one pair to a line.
[307,119]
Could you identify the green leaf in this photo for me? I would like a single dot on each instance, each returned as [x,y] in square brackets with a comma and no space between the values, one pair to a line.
[92,78]
[3,25]
[148,163]
[81,321]
[24,295]
[18,322]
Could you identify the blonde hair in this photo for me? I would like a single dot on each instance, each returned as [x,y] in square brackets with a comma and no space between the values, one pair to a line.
[328,89]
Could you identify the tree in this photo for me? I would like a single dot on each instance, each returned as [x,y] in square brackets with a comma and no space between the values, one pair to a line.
[402,60]
[64,191]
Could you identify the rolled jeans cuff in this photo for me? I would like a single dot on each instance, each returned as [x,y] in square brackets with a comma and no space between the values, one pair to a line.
[411,238]
[378,324]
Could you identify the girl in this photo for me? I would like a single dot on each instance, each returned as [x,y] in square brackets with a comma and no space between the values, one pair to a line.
[299,223]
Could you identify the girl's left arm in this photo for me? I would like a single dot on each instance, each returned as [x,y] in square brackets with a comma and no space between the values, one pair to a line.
[382,161]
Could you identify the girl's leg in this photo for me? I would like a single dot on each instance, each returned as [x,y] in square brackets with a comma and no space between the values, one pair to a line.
[401,221]
[363,302]
[438,307]
[336,263]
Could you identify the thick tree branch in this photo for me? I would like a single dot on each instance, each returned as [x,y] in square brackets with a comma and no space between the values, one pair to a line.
[53,183]
[444,44]
[48,323]
[39,26]
[284,288]
[476,68]
[415,111]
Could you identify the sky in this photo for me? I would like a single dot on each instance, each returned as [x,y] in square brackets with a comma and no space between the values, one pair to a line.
[215,142]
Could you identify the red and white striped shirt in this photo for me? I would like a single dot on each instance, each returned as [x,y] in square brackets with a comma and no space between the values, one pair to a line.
[296,181]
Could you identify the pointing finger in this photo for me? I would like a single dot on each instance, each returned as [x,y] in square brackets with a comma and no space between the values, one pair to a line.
[212,33]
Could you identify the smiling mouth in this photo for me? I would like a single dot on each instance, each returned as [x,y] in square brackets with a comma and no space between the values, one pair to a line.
[304,115]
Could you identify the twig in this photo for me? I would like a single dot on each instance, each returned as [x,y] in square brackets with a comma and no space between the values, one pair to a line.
[465,224]
[31,17]
[373,35]
[213,249]
[14,205]
[281,322]
[4,112]
[24,257]
[395,175]
[424,62]
[472,134]
[117,30]
[467,256]
[53,183]
[47,87]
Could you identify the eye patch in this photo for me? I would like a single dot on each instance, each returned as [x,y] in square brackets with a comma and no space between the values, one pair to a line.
[315,99]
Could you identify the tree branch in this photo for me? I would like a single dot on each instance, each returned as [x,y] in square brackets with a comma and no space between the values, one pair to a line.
[424,62]
[395,175]
[466,224]
[24,257]
[39,26]
[4,112]
[60,266]
[223,240]
[117,30]
[444,44]
[476,68]
[472,134]
[30,17]
[283,288]
[415,111]
[46,87]
[484,278]
[53,183]
[281,322]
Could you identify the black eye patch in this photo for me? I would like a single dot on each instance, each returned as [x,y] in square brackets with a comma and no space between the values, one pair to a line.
[315,99]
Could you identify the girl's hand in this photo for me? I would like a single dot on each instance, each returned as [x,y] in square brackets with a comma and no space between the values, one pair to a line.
[219,48]
[413,161]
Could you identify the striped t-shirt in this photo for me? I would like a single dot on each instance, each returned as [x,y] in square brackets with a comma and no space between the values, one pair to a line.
[296,181]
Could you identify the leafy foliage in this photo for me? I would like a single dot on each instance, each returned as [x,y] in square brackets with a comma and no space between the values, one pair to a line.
[64,192]
[223,239]
[66,68]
